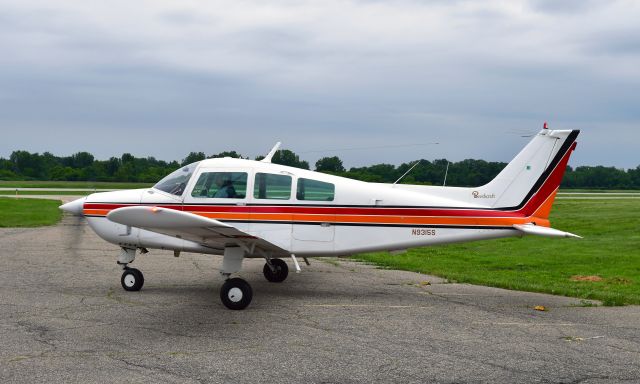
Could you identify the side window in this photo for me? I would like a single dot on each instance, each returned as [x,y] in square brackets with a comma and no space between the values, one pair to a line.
[231,185]
[315,190]
[270,186]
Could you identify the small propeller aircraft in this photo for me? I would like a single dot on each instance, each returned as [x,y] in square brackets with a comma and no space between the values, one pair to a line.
[241,209]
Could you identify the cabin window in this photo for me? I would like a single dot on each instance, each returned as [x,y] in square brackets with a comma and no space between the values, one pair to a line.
[309,189]
[221,185]
[270,186]
[176,181]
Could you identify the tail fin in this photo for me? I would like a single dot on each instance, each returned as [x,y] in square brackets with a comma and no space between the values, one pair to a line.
[528,184]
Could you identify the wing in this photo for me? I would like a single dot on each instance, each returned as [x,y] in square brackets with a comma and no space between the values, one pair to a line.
[188,226]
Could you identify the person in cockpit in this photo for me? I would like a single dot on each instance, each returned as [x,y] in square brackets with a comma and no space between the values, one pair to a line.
[225,186]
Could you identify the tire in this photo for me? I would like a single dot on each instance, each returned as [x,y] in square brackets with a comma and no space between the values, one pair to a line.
[236,294]
[281,273]
[132,279]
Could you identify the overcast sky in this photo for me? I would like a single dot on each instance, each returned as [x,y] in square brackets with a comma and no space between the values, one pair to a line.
[163,78]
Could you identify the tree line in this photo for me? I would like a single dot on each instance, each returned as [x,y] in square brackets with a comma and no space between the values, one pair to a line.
[82,166]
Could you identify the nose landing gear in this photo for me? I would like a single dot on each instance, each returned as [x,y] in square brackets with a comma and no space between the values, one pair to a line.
[132,279]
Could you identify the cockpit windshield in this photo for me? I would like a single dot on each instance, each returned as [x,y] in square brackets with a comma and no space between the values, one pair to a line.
[176,181]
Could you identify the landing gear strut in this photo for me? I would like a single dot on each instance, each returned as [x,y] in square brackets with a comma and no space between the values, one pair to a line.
[277,272]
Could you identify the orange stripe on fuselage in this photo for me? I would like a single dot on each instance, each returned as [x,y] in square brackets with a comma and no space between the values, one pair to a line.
[358,219]
[418,220]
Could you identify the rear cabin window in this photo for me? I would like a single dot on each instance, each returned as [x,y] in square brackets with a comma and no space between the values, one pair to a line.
[221,185]
[309,189]
[270,186]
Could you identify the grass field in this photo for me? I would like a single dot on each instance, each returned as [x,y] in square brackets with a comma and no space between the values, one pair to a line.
[609,254]
[72,184]
[579,190]
[60,192]
[29,212]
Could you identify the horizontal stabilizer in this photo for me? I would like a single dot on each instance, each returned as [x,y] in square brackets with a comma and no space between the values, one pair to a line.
[532,229]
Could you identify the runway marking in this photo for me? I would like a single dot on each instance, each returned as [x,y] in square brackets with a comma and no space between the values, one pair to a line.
[577,338]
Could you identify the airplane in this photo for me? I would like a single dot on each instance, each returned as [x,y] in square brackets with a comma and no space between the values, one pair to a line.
[241,208]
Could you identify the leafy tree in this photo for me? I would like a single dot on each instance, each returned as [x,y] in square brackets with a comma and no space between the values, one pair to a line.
[23,165]
[287,157]
[233,154]
[330,164]
[111,166]
[381,173]
[27,164]
[192,157]
[127,158]
[81,160]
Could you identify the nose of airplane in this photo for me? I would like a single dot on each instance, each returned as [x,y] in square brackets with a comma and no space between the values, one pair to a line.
[74,207]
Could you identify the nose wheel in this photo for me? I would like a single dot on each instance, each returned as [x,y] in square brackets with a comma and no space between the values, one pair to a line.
[279,272]
[132,279]
[236,293]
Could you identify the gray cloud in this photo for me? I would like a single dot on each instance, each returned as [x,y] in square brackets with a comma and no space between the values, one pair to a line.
[164,79]
[567,7]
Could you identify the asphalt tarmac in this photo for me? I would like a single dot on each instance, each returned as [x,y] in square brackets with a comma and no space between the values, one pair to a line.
[65,318]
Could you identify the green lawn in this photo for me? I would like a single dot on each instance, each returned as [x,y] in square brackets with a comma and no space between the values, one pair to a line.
[577,190]
[610,250]
[29,212]
[72,184]
[60,192]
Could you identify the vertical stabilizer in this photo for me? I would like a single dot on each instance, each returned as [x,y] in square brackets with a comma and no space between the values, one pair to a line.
[530,181]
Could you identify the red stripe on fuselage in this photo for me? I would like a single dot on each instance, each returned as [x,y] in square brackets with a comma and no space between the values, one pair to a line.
[329,210]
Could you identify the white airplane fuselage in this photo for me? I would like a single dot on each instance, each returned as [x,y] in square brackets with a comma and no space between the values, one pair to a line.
[360,217]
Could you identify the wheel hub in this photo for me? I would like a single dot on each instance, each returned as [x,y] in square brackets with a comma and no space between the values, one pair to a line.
[235,294]
[130,280]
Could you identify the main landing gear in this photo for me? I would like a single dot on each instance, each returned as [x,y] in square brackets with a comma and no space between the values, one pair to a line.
[236,293]
[275,270]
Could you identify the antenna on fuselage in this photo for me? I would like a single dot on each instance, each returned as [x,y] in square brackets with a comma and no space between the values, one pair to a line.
[267,159]
[446,172]
[410,169]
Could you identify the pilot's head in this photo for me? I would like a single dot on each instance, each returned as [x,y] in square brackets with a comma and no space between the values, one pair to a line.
[220,179]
